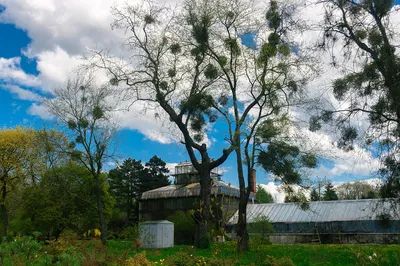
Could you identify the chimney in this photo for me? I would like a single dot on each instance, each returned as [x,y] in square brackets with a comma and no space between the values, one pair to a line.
[253,181]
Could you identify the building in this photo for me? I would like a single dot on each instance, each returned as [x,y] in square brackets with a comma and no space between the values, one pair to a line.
[184,194]
[344,221]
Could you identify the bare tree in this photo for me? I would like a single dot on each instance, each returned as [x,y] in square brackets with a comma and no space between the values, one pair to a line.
[191,63]
[85,109]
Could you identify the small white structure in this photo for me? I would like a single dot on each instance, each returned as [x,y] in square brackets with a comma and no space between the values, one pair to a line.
[157,234]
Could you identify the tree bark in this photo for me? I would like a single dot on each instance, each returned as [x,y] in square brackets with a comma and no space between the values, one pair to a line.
[202,215]
[241,227]
[103,223]
[4,208]
[242,233]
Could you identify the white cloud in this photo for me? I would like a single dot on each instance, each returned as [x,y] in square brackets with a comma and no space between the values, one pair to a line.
[22,94]
[55,66]
[61,31]
[39,110]
[11,72]
[277,194]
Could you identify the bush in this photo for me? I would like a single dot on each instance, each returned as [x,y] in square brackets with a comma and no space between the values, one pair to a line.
[130,232]
[205,242]
[261,229]
[18,251]
[271,261]
[139,260]
[181,259]
[184,227]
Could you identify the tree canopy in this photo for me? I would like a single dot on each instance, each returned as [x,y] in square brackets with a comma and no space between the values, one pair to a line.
[263,196]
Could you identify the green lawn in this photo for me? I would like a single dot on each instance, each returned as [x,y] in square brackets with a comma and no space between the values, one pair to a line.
[300,254]
[73,252]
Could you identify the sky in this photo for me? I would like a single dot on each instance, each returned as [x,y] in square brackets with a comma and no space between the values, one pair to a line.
[44,40]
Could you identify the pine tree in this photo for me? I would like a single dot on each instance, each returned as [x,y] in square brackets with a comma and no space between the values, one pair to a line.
[314,195]
[330,193]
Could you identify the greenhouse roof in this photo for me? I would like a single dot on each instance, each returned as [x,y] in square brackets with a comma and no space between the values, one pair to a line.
[192,190]
[319,211]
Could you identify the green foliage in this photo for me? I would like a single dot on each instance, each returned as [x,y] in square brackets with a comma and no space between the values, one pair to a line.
[263,196]
[348,135]
[273,16]
[175,48]
[261,229]
[281,159]
[182,259]
[64,198]
[330,193]
[271,261]
[356,190]
[205,241]
[149,19]
[184,227]
[171,73]
[129,180]
[232,45]
[71,124]
[314,195]
[98,113]
[211,72]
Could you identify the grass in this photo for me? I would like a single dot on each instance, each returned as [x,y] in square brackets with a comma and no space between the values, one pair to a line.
[300,254]
[69,251]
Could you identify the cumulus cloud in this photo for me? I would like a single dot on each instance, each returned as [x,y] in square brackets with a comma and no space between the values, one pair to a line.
[40,111]
[11,72]
[277,194]
[22,94]
[61,31]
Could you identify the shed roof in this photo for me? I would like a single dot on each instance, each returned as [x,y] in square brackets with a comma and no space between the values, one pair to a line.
[191,190]
[157,222]
[319,211]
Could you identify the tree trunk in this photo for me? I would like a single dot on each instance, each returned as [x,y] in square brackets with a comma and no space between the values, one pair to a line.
[103,223]
[5,218]
[241,227]
[4,208]
[202,215]
[242,233]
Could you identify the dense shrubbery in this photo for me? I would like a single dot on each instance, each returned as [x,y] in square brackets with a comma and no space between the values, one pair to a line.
[260,230]
[184,227]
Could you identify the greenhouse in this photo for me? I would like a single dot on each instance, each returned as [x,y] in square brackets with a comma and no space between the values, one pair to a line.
[346,221]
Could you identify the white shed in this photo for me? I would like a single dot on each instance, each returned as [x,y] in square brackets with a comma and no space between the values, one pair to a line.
[157,234]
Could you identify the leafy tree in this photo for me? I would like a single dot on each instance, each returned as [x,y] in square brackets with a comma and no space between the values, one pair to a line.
[125,186]
[314,195]
[156,175]
[356,190]
[129,180]
[85,110]
[330,193]
[365,31]
[64,198]
[264,196]
[16,149]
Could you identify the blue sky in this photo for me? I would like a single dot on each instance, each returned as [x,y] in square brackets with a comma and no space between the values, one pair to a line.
[42,40]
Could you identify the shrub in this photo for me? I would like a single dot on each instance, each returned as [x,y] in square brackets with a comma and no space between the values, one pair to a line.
[261,229]
[271,261]
[139,260]
[184,227]
[18,251]
[205,242]
[181,259]
[130,232]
